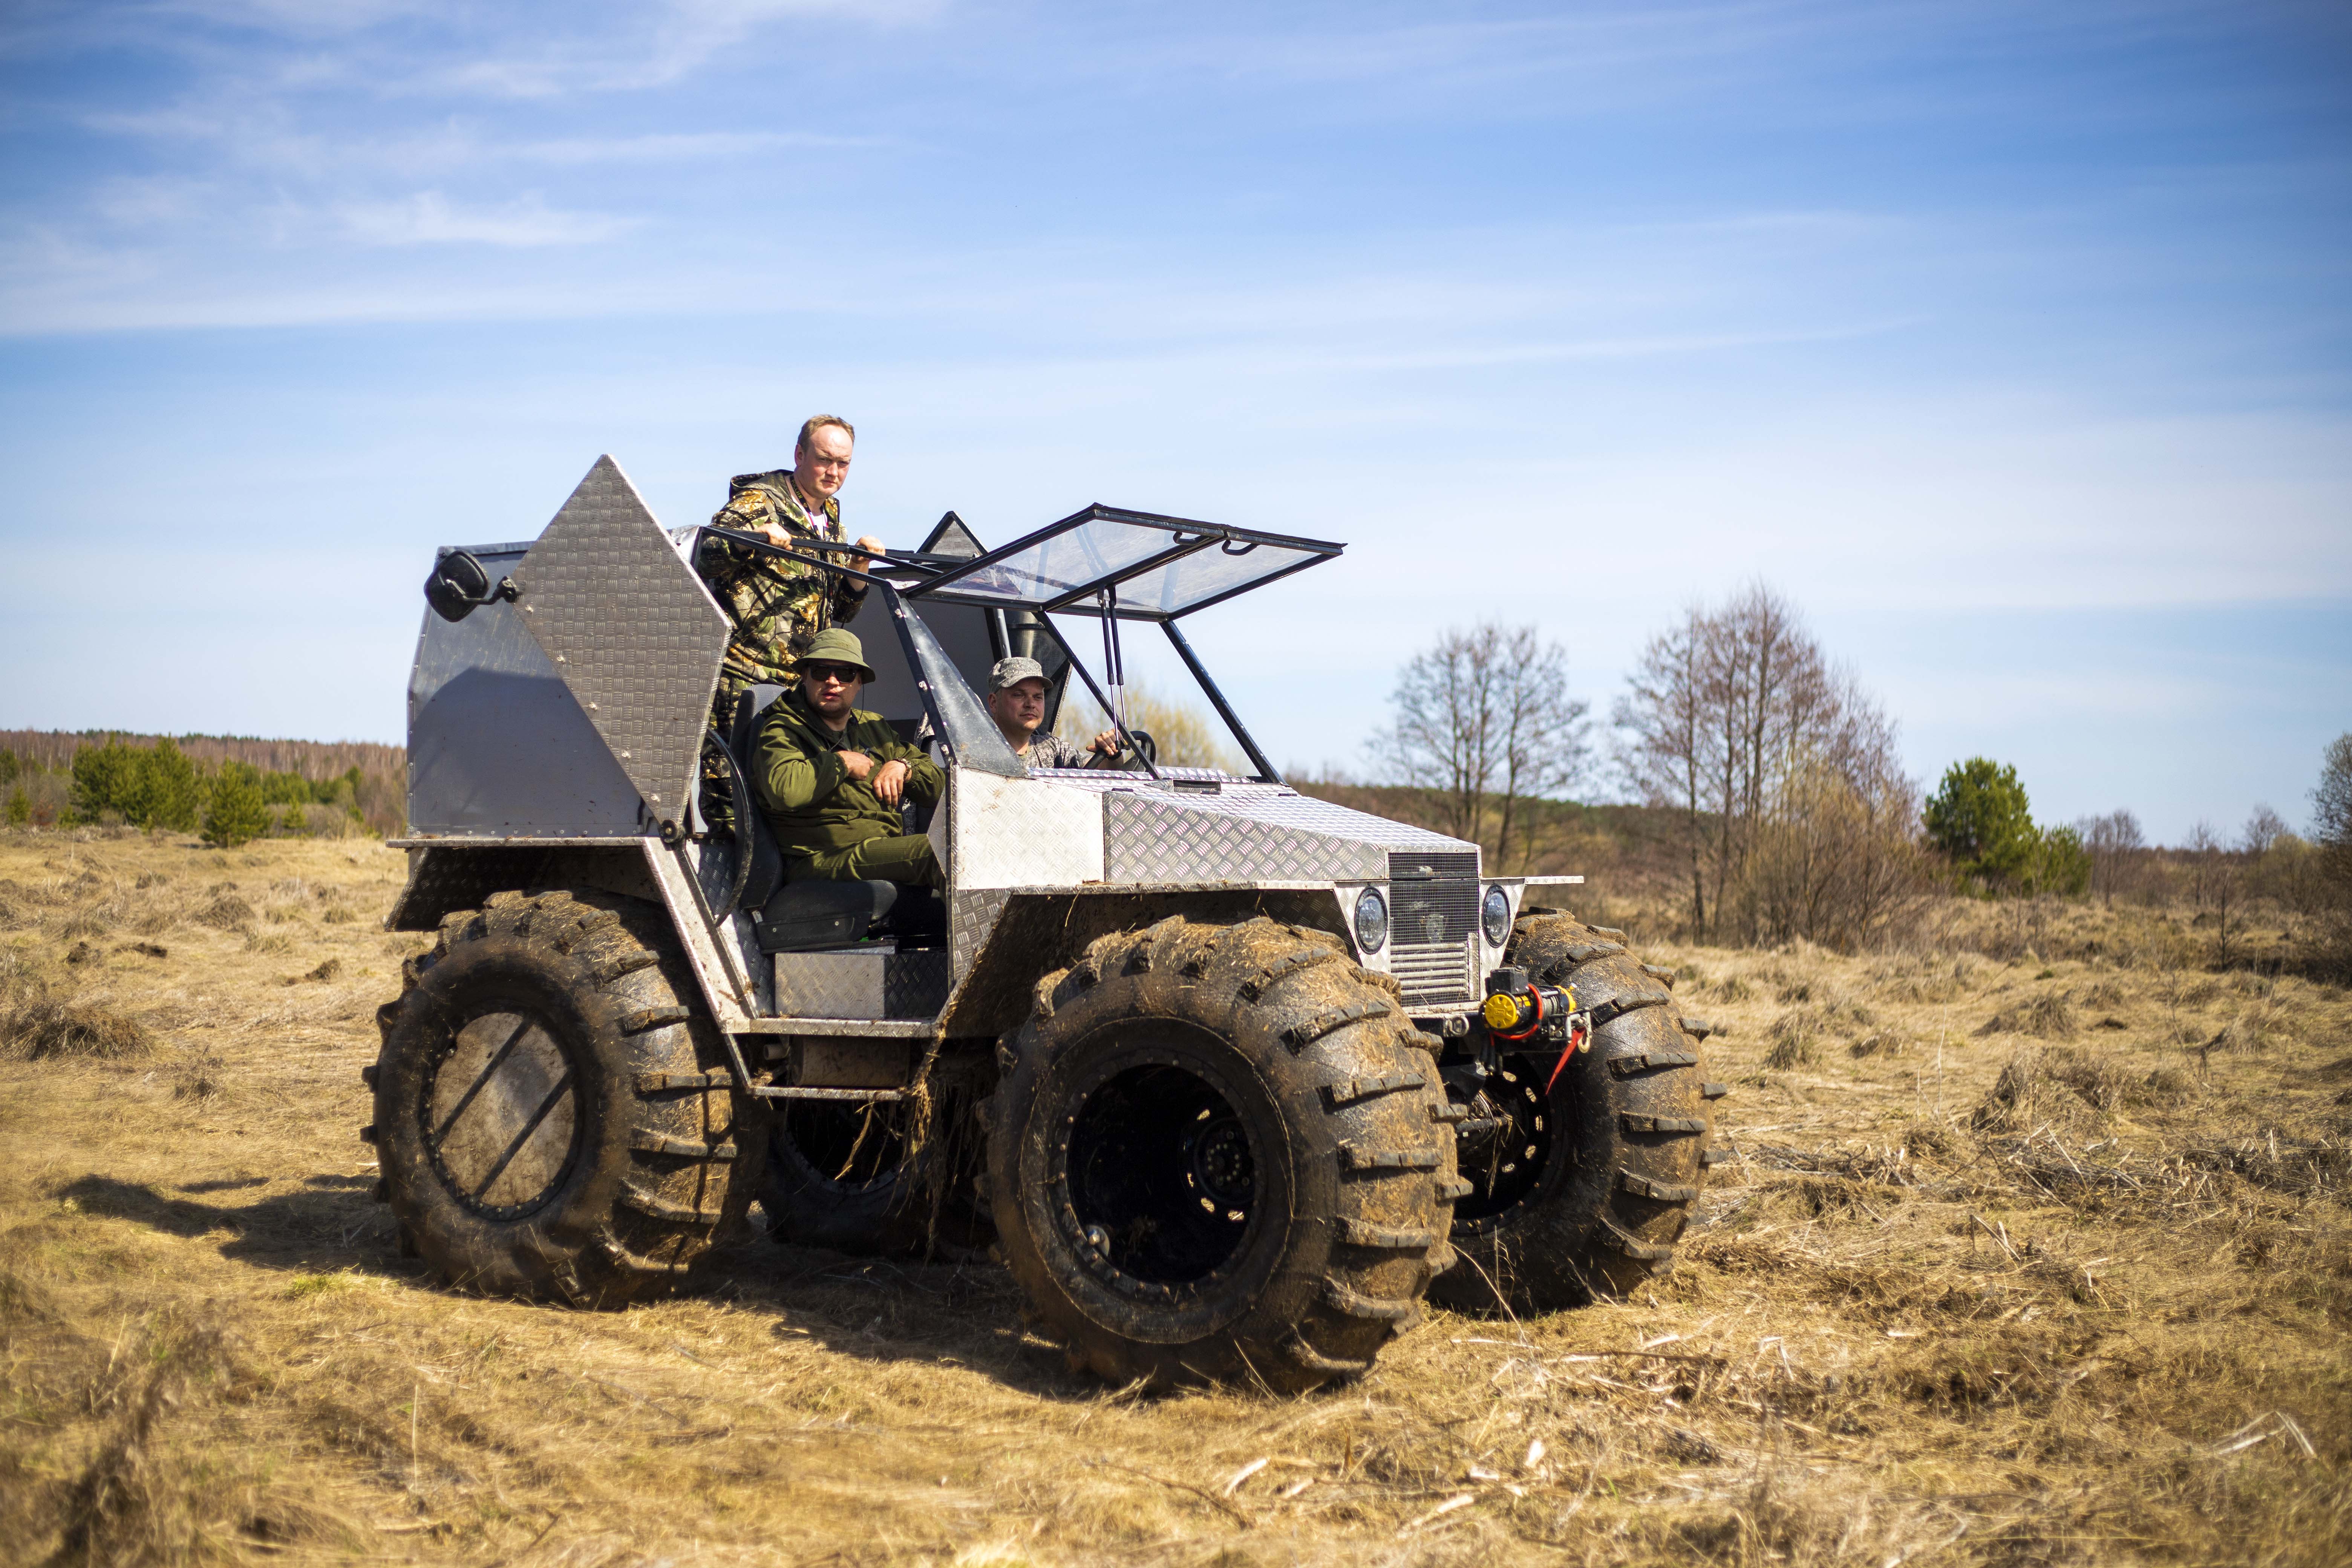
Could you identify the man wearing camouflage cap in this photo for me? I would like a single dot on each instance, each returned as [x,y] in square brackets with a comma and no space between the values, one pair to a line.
[830,777]
[1016,700]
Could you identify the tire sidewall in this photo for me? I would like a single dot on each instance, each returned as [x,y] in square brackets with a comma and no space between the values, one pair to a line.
[1251,1282]
[1555,1247]
[496,975]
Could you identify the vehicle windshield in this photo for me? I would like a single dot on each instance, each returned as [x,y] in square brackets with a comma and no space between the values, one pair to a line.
[1153,567]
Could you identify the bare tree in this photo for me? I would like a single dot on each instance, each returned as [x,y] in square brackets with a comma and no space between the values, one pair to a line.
[2116,845]
[1544,743]
[1485,718]
[1796,815]
[1663,738]
[2264,828]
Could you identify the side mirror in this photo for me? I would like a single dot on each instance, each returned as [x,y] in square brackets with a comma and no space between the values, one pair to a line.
[460,584]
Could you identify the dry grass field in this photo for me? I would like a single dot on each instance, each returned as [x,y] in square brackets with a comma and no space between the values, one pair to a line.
[2018,1262]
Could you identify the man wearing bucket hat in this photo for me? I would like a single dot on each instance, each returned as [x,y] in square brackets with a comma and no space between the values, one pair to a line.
[1016,700]
[830,777]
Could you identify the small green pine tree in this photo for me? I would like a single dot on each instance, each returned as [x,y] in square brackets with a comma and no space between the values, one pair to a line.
[168,791]
[20,807]
[1979,815]
[2060,864]
[236,813]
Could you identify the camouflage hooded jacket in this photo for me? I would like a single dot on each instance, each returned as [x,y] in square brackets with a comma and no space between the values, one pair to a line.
[776,605]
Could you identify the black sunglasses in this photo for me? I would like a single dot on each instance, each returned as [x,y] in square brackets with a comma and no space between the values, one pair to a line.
[844,673]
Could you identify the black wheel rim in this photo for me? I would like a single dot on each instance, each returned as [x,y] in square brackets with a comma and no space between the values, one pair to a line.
[500,1113]
[1162,1181]
[1506,1164]
[842,1149]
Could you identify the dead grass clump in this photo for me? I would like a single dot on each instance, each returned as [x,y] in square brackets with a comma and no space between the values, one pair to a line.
[1730,988]
[255,941]
[339,915]
[2104,993]
[40,1027]
[1928,1137]
[2255,1029]
[82,953]
[2025,1095]
[149,1495]
[2046,1015]
[2298,1167]
[327,970]
[1918,988]
[20,905]
[223,911]
[82,923]
[200,1076]
[1887,1041]
[1795,1039]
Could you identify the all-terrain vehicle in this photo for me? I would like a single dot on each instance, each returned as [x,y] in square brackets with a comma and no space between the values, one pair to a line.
[1228,1076]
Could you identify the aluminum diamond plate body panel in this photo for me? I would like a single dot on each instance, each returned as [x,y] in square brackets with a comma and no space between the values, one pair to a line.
[971,917]
[631,629]
[1259,834]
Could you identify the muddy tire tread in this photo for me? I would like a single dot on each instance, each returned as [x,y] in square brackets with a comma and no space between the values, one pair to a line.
[1312,1023]
[668,1184]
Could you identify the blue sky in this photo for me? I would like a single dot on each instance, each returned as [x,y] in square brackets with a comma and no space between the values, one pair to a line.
[2008,341]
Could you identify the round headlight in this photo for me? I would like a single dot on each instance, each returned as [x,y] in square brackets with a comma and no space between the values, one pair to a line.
[1372,921]
[1494,914]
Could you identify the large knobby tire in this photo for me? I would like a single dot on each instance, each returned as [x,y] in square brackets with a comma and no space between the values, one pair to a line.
[1217,1153]
[839,1176]
[554,1116]
[1583,1192]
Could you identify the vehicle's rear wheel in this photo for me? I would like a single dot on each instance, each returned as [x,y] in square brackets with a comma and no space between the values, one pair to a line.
[839,1176]
[1582,1191]
[1216,1153]
[554,1117]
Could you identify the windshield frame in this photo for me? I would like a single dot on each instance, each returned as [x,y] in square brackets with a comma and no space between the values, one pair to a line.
[1192,537]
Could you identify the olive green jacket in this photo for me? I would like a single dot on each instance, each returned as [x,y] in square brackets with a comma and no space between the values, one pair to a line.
[810,801]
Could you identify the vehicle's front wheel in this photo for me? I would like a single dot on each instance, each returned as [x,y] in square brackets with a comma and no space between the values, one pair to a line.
[1216,1153]
[553,1116]
[1580,1191]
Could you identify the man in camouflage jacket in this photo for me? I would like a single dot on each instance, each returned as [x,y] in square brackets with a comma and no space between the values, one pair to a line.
[775,606]
[778,605]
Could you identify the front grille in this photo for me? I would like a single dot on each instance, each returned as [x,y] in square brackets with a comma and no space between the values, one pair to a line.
[1433,899]
[1432,974]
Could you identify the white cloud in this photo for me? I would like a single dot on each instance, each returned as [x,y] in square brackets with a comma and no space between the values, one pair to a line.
[430,218]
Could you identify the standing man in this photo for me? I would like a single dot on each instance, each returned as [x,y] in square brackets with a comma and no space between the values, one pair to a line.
[830,778]
[1016,700]
[777,606]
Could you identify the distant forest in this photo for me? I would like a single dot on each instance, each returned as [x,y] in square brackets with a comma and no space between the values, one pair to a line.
[356,782]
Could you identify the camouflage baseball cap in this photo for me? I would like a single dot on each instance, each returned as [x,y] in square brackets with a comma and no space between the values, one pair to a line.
[834,645]
[1012,671]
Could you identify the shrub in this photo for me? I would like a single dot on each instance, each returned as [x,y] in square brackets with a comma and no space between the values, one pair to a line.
[237,813]
[1979,816]
[148,786]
